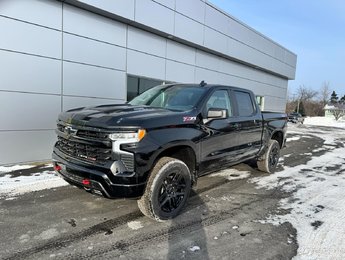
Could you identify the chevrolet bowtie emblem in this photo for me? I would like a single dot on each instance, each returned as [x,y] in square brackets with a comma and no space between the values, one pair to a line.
[70,130]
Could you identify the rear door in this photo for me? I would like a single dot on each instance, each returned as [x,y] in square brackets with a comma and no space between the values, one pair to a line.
[249,124]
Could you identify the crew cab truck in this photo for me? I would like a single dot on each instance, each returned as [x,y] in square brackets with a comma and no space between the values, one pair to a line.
[155,147]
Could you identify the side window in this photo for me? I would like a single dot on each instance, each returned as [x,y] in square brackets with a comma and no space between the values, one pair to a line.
[245,104]
[220,99]
[261,102]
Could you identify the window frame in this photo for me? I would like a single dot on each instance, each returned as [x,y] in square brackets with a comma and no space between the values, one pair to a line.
[252,101]
[231,102]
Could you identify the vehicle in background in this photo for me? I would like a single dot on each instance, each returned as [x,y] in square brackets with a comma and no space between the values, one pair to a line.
[295,118]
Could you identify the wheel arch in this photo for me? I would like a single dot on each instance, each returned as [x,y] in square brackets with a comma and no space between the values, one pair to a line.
[279,137]
[182,152]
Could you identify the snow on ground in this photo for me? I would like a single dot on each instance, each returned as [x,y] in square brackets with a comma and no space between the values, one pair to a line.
[231,174]
[317,205]
[324,121]
[20,179]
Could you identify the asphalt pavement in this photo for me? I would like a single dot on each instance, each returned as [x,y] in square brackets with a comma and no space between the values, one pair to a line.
[222,220]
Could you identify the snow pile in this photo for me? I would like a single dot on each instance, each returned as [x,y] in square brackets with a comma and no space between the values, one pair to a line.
[20,179]
[324,121]
[317,204]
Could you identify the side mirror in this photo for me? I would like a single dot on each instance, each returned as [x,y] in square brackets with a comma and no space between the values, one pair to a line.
[214,113]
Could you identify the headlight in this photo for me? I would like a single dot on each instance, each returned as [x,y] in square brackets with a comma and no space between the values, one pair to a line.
[129,136]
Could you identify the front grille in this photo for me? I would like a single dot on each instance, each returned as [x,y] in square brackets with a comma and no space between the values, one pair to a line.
[86,152]
[86,134]
[92,134]
[128,161]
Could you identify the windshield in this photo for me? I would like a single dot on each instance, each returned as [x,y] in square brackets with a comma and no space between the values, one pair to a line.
[180,98]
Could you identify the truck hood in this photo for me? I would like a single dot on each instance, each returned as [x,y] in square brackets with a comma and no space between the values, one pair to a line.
[125,115]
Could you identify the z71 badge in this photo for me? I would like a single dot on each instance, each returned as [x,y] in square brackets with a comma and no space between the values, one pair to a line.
[189,118]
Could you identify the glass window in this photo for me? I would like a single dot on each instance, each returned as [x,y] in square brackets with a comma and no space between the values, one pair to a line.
[175,97]
[137,85]
[220,99]
[261,101]
[245,104]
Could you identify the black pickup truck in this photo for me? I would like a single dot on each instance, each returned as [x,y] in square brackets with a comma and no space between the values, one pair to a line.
[156,146]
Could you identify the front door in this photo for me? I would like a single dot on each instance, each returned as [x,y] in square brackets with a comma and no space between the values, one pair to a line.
[218,147]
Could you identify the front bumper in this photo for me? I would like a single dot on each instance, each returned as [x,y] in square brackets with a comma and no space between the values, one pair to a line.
[97,179]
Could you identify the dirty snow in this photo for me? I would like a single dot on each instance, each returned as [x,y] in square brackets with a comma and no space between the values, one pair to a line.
[194,248]
[295,138]
[316,206]
[231,174]
[12,186]
[135,225]
[5,169]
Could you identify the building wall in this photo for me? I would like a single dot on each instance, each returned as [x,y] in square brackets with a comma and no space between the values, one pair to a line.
[56,55]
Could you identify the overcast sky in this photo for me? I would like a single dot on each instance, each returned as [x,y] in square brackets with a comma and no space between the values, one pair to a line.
[313,29]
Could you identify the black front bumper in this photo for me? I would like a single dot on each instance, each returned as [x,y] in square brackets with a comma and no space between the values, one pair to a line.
[97,179]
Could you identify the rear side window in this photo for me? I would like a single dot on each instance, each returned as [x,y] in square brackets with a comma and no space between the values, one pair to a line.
[245,104]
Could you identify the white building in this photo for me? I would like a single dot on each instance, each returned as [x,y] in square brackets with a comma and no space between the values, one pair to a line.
[56,55]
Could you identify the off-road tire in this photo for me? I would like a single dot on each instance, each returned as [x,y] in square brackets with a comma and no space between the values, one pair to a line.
[269,160]
[167,189]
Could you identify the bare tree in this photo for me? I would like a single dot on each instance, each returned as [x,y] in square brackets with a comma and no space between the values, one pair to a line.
[338,111]
[325,93]
[305,94]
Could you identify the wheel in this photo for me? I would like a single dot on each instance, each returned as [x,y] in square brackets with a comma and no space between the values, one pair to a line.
[268,162]
[167,189]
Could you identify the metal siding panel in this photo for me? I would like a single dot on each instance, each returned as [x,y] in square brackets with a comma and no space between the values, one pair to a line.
[46,13]
[188,29]
[22,111]
[90,81]
[290,58]
[180,72]
[225,79]
[146,42]
[238,31]
[28,38]
[88,51]
[154,15]
[94,26]
[124,8]
[207,60]
[75,102]
[209,76]
[26,146]
[194,9]
[215,40]
[216,20]
[181,52]
[167,3]
[146,65]
[235,49]
[21,72]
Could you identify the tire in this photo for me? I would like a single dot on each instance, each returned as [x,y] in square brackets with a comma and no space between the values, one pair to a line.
[167,189]
[269,161]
